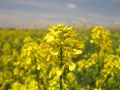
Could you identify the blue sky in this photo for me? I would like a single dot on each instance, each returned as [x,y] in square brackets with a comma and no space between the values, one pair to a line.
[28,13]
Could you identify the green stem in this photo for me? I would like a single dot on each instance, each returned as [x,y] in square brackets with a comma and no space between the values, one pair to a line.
[98,63]
[37,74]
[61,52]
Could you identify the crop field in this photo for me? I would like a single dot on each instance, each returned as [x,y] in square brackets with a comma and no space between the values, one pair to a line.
[60,58]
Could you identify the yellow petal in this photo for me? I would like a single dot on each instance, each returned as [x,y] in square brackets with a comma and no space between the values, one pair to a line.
[38,67]
[50,39]
[72,66]
[75,51]
[58,72]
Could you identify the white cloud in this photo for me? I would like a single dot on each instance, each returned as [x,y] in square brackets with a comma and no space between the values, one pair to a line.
[71,5]
[15,18]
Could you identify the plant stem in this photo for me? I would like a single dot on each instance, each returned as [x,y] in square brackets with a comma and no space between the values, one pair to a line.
[98,62]
[61,52]
[37,74]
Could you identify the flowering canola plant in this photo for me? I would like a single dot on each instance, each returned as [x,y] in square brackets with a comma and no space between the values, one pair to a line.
[61,60]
